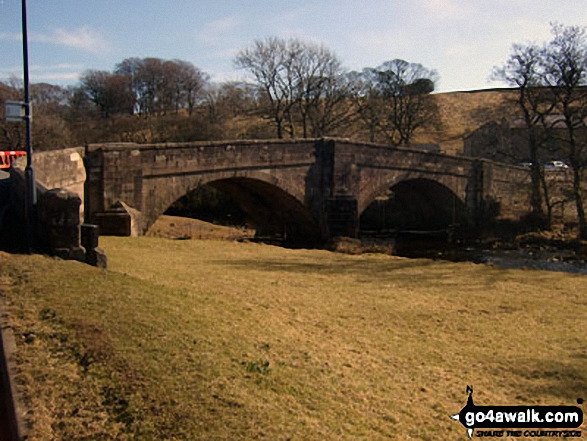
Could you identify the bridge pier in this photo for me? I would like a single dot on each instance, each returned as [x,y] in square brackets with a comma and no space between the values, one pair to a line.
[342,216]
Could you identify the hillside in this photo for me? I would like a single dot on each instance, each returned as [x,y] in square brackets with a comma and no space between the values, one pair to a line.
[463,112]
[460,112]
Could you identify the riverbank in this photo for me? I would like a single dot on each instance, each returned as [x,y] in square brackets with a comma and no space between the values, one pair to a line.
[547,251]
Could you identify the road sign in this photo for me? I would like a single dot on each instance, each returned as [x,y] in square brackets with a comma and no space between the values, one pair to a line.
[14,111]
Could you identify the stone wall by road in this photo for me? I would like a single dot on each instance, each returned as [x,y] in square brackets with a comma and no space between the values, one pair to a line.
[60,169]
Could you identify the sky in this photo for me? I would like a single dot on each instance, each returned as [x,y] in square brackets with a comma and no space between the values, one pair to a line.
[461,39]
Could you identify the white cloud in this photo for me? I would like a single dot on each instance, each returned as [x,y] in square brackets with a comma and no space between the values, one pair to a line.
[8,36]
[61,73]
[458,50]
[226,54]
[84,39]
[380,46]
[443,9]
[60,66]
[10,69]
[530,30]
[214,31]
[222,76]
[62,77]
[69,66]
[288,24]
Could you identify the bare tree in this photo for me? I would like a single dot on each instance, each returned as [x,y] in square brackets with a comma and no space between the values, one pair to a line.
[552,82]
[267,61]
[525,70]
[189,83]
[318,80]
[301,84]
[152,81]
[11,135]
[404,87]
[51,129]
[230,100]
[393,98]
[129,68]
[366,100]
[160,85]
[566,77]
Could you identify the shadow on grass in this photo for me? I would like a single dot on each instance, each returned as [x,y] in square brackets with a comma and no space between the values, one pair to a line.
[331,267]
[412,271]
[565,382]
[423,269]
[372,270]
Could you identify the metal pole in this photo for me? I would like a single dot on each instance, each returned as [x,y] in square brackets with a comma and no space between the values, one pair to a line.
[30,192]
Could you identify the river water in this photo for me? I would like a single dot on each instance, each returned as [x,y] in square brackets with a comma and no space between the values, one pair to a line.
[547,259]
[516,259]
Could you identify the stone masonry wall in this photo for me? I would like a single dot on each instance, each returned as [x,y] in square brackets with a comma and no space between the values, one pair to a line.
[334,180]
[60,169]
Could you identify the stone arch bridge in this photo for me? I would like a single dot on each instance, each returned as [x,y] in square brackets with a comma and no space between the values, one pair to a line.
[307,190]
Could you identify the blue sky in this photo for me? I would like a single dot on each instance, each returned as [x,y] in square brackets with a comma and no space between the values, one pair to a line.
[461,39]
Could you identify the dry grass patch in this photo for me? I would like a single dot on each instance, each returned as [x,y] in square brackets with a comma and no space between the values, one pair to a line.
[461,113]
[175,227]
[224,341]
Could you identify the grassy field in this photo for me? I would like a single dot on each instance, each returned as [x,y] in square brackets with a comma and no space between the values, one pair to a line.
[214,340]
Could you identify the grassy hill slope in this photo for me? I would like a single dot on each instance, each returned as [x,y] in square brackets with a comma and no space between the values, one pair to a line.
[463,112]
[212,340]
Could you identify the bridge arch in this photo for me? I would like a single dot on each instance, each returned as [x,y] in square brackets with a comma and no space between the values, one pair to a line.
[274,209]
[374,188]
[414,204]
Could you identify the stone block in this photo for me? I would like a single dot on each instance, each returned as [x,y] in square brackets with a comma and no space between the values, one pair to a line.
[119,220]
[97,257]
[76,253]
[59,219]
[90,236]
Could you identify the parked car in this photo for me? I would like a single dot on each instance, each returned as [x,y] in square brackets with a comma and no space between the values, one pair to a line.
[555,165]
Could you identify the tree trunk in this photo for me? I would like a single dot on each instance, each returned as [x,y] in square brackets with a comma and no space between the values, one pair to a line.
[546,200]
[279,128]
[578,196]
[536,181]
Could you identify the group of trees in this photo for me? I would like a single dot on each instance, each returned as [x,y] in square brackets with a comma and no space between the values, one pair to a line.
[551,80]
[141,100]
[145,86]
[300,90]
[392,99]
[309,94]
[51,115]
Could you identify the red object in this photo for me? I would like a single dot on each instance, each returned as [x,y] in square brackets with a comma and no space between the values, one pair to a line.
[8,156]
